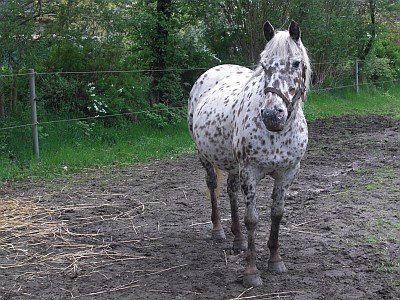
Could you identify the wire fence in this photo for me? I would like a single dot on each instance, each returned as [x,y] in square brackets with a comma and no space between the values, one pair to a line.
[108,71]
[94,117]
[158,109]
[171,108]
[354,85]
[167,70]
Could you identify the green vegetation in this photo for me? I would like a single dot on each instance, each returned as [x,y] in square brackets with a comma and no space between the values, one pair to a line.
[67,147]
[96,58]
[382,178]
[381,230]
[72,146]
[164,45]
[370,101]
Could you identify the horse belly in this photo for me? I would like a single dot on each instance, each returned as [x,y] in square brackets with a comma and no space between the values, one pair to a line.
[212,133]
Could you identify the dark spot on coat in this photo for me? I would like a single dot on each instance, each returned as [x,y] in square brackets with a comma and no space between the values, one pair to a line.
[239,155]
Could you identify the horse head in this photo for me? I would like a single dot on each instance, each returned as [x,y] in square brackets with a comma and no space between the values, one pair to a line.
[284,63]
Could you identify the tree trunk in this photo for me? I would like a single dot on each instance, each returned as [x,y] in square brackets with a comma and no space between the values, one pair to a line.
[372,15]
[2,104]
[14,94]
[159,46]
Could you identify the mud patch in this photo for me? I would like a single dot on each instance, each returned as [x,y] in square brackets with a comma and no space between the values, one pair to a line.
[143,232]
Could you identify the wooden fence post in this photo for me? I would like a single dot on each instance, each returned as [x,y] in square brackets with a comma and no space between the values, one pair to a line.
[32,90]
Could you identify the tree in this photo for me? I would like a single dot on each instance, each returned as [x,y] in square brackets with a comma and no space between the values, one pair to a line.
[381,55]
[159,46]
[326,27]
[16,32]
[166,37]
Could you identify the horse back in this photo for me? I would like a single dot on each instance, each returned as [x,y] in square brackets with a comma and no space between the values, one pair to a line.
[212,100]
[216,85]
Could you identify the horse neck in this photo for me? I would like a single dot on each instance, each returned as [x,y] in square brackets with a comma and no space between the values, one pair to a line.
[296,116]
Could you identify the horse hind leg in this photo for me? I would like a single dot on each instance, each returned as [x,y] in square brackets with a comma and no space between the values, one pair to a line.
[212,184]
[239,242]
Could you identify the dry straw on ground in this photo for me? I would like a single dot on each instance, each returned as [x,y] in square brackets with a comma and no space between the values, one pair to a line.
[43,241]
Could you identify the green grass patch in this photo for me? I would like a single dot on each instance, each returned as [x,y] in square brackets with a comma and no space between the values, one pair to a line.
[383,178]
[382,233]
[389,265]
[369,101]
[72,146]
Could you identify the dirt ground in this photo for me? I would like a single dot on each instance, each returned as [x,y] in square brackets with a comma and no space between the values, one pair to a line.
[143,232]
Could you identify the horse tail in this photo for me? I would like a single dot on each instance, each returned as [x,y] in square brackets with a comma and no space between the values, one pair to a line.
[220,177]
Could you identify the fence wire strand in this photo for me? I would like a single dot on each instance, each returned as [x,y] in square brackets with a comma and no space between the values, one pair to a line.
[108,72]
[154,110]
[353,85]
[94,117]
[166,70]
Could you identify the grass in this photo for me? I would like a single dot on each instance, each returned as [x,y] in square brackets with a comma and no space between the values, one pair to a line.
[382,227]
[382,178]
[386,177]
[65,149]
[369,101]
[383,233]
[72,146]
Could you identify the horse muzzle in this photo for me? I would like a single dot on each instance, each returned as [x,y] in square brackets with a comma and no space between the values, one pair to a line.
[274,119]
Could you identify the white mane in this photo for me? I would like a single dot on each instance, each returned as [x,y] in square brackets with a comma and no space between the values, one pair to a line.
[282,46]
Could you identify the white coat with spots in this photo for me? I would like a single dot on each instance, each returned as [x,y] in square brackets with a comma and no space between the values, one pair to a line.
[251,124]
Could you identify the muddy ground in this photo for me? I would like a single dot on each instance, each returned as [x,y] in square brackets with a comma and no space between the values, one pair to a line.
[143,232]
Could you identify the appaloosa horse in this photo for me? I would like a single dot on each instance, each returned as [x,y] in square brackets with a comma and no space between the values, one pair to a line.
[251,124]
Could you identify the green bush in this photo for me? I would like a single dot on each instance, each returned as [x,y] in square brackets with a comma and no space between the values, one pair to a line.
[58,93]
[383,62]
[378,69]
[160,116]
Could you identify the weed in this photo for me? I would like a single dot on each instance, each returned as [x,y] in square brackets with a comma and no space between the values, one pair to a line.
[389,265]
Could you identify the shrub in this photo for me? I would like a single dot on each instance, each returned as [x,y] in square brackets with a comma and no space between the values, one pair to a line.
[161,116]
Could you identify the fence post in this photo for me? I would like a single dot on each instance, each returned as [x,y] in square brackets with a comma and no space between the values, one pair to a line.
[357,76]
[32,90]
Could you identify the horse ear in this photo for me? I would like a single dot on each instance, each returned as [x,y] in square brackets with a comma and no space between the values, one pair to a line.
[269,31]
[294,31]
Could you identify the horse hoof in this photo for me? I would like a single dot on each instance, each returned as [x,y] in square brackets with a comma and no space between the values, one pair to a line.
[277,267]
[239,246]
[218,235]
[252,280]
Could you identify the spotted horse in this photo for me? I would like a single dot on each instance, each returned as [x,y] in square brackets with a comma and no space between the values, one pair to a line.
[250,124]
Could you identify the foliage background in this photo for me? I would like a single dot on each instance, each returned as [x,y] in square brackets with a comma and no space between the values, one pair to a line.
[180,36]
[106,57]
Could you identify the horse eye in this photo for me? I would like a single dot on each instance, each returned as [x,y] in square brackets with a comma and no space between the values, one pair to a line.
[296,64]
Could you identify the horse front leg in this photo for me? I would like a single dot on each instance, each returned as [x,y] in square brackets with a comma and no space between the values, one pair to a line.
[281,186]
[251,277]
